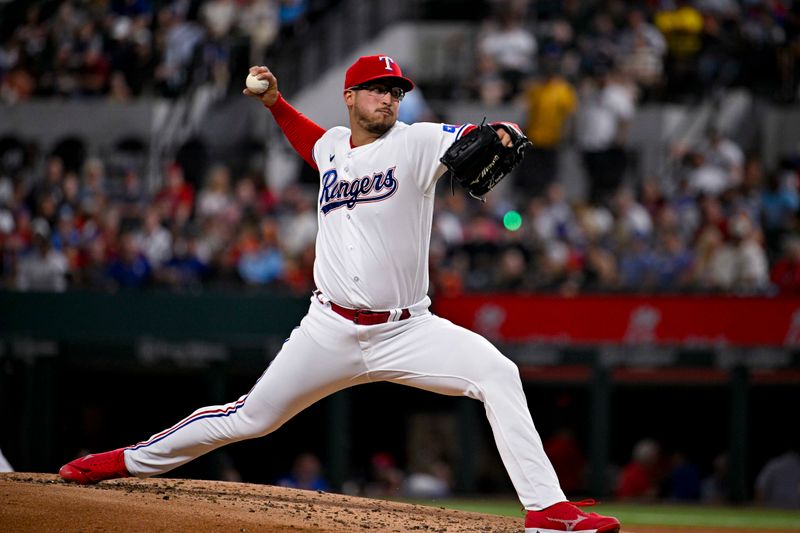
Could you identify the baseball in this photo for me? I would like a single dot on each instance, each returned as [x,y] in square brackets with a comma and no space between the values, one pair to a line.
[256,85]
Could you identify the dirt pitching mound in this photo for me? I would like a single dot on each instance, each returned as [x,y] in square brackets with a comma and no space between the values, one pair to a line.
[42,502]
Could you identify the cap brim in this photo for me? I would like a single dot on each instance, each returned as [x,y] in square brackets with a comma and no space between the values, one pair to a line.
[399,81]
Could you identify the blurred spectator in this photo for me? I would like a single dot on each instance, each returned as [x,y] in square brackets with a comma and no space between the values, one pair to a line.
[299,221]
[32,33]
[49,188]
[631,216]
[636,264]
[188,266]
[67,239]
[751,269]
[714,264]
[762,31]
[552,217]
[175,201]
[95,274]
[259,21]
[785,274]
[415,108]
[606,107]
[780,201]
[704,177]
[639,479]
[17,84]
[778,482]
[93,194]
[431,481]
[154,240]
[132,57]
[261,261]
[568,460]
[682,26]
[130,269]
[507,52]
[641,53]
[219,17]
[721,152]
[683,478]
[132,197]
[43,268]
[216,198]
[449,218]
[481,246]
[715,488]
[253,198]
[87,61]
[291,15]
[551,102]
[299,271]
[385,478]
[673,263]
[306,474]
[511,274]
[746,198]
[599,43]
[600,270]
[179,39]
[719,63]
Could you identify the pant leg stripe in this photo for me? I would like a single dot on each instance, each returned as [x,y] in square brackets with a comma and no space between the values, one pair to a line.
[214,413]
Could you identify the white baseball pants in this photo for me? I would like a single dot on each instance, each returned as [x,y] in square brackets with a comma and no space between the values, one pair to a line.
[327,353]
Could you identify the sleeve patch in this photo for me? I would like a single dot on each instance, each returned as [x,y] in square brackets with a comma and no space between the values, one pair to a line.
[449,128]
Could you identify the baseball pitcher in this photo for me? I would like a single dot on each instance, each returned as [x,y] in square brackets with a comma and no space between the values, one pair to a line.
[369,320]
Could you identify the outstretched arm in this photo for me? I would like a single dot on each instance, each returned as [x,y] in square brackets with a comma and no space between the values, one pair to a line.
[301,131]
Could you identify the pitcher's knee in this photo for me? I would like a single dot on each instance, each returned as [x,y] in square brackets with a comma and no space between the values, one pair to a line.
[503,372]
[258,424]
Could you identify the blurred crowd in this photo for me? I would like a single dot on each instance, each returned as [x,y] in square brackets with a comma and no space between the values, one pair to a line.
[654,474]
[122,49]
[714,219]
[83,228]
[671,49]
[78,228]
[719,223]
[680,50]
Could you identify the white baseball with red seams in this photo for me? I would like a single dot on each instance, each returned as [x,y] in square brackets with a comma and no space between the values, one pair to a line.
[375,209]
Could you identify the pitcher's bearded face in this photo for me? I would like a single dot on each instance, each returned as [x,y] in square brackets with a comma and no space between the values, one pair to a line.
[375,107]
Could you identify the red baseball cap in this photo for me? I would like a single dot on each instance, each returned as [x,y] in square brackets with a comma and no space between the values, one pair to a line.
[379,67]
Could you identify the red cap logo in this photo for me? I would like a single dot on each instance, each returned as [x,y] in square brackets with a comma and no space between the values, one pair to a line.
[380,67]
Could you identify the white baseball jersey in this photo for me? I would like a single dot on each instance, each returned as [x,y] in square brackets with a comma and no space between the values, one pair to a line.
[375,211]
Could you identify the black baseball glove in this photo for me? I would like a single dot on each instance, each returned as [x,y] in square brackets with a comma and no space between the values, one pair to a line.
[478,160]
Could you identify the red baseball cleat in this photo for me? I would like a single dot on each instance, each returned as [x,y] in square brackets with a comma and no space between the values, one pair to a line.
[95,467]
[565,516]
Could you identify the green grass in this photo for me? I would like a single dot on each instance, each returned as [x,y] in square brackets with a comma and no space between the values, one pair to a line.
[654,515]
